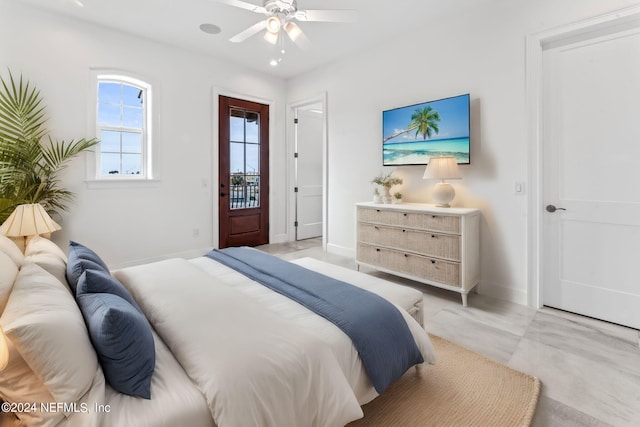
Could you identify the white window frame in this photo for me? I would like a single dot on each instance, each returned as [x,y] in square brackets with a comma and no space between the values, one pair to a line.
[94,169]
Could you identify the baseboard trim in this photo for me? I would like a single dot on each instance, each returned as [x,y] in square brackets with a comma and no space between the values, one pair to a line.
[506,293]
[341,250]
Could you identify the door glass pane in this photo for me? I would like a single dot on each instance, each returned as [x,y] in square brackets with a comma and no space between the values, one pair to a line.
[236,160]
[252,161]
[252,127]
[244,159]
[236,126]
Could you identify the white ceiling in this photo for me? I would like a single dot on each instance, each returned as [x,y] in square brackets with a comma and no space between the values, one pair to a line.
[176,22]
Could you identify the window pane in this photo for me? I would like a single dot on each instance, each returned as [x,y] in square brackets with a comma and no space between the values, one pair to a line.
[132,117]
[109,115]
[253,127]
[131,95]
[109,141]
[109,93]
[131,142]
[236,126]
[253,158]
[110,164]
[131,164]
[236,160]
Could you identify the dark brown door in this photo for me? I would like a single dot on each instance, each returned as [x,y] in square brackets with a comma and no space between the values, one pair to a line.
[244,173]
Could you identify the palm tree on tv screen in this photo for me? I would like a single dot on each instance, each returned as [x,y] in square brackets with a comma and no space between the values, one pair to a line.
[425,122]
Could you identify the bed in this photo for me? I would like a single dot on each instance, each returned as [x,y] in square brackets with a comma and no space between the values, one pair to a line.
[228,350]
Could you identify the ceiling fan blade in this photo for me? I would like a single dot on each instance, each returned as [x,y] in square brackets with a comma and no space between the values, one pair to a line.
[254,29]
[326,15]
[244,5]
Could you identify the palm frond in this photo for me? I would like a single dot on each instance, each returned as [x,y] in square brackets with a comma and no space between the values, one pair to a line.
[29,168]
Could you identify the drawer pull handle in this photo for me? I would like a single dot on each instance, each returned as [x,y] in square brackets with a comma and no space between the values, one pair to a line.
[406,256]
[433,236]
[377,249]
[377,210]
[434,216]
[404,214]
[433,261]
[375,227]
[404,231]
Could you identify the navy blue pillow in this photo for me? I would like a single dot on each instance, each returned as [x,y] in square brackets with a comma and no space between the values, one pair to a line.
[79,259]
[122,338]
[97,281]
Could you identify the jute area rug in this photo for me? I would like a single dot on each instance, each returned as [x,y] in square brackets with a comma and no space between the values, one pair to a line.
[462,389]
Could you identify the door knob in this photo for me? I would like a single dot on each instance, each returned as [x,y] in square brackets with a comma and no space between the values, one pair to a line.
[552,208]
[223,194]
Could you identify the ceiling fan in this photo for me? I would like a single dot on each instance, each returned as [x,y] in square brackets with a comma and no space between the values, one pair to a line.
[280,16]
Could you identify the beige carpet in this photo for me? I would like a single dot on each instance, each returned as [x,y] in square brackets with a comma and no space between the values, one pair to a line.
[462,389]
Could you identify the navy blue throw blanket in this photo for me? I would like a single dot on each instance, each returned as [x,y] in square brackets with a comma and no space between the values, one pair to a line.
[376,327]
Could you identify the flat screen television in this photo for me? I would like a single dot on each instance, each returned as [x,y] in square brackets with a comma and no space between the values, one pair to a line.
[415,133]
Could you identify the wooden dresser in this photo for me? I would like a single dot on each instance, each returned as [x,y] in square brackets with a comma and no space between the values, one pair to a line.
[425,243]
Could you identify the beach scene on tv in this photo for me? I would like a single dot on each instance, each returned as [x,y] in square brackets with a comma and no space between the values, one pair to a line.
[414,134]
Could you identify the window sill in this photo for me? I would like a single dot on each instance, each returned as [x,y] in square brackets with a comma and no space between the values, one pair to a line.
[122,183]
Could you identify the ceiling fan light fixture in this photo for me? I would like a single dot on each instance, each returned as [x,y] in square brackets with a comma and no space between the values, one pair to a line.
[293,31]
[273,24]
[271,37]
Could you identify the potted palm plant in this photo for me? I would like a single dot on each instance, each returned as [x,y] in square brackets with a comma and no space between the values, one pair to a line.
[30,160]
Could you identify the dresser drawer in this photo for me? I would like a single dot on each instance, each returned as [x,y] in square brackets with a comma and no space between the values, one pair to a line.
[433,244]
[437,270]
[423,221]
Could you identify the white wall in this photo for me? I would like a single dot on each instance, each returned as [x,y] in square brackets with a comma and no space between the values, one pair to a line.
[129,225]
[481,52]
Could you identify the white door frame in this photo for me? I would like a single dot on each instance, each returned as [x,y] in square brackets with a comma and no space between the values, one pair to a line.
[534,49]
[322,98]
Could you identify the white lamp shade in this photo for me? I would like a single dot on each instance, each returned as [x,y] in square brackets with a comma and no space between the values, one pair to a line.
[442,168]
[4,350]
[293,31]
[28,220]
[271,37]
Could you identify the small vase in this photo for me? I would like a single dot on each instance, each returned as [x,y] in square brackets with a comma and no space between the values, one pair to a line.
[386,195]
[377,199]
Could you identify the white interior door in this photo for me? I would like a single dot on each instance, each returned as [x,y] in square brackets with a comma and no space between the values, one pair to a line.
[591,162]
[309,138]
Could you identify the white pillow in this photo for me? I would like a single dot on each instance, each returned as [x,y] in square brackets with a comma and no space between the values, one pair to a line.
[8,273]
[47,255]
[45,325]
[42,245]
[10,248]
[19,384]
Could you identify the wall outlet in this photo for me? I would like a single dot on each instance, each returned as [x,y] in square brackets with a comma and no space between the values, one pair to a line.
[518,188]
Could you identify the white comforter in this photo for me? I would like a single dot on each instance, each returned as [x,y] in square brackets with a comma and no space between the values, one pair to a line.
[254,367]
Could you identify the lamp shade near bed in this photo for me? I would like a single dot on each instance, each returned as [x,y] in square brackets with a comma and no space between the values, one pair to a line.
[28,220]
[4,350]
[442,168]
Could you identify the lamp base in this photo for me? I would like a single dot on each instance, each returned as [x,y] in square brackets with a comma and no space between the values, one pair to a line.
[443,194]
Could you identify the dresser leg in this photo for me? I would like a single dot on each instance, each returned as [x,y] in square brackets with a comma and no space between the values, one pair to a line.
[464,300]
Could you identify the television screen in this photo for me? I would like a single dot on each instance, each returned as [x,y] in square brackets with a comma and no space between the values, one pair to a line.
[413,134]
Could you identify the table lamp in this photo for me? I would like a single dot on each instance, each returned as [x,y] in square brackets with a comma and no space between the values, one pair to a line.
[27,221]
[442,168]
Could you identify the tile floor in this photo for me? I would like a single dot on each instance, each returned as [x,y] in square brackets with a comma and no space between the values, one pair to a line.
[590,370]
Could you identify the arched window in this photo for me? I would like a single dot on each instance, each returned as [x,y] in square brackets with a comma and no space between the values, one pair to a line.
[123,125]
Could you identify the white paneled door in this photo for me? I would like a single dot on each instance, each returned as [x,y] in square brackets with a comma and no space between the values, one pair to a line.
[309,137]
[591,161]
